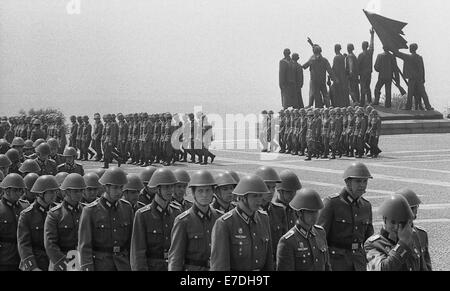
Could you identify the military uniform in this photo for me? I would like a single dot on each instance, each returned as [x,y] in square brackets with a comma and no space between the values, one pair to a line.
[75,168]
[48,167]
[104,236]
[241,243]
[348,224]
[358,135]
[303,250]
[9,214]
[61,233]
[190,247]
[145,196]
[183,206]
[151,237]
[421,240]
[326,136]
[217,206]
[374,135]
[36,134]
[59,159]
[73,135]
[123,137]
[86,140]
[383,254]
[281,218]
[79,137]
[61,137]
[97,139]
[30,238]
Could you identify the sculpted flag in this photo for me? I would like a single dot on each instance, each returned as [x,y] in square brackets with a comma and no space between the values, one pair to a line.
[388,30]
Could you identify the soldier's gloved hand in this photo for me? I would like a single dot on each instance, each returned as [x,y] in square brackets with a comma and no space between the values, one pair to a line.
[405,233]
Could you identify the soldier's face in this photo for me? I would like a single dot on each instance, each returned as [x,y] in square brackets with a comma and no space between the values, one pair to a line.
[179,191]
[166,191]
[49,196]
[19,149]
[13,194]
[254,201]
[90,194]
[74,196]
[225,193]
[267,198]
[414,211]
[131,196]
[357,187]
[203,195]
[53,151]
[309,218]
[114,192]
[70,160]
[286,196]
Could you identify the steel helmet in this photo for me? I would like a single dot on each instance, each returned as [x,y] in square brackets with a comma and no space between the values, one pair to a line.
[30,179]
[73,181]
[234,175]
[28,144]
[114,176]
[53,143]
[70,152]
[45,183]
[147,174]
[100,172]
[162,177]
[306,199]
[38,142]
[268,174]
[396,208]
[182,176]
[43,149]
[18,142]
[264,112]
[134,183]
[13,181]
[13,155]
[251,184]
[289,181]
[60,177]
[4,145]
[225,179]
[91,180]
[5,161]
[36,122]
[357,171]
[202,178]
[411,197]
[30,166]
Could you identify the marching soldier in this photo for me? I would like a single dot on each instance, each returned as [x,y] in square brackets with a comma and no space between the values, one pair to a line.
[311,135]
[97,137]
[223,193]
[143,145]
[135,139]
[70,166]
[420,235]
[122,137]
[270,178]
[28,148]
[326,133]
[37,132]
[374,134]
[79,137]
[359,133]
[48,166]
[304,247]
[86,139]
[282,131]
[30,232]
[60,130]
[190,247]
[73,132]
[179,193]
[10,207]
[394,248]
[29,181]
[13,156]
[153,225]
[147,194]
[105,227]
[241,238]
[303,126]
[61,224]
[131,191]
[93,188]
[347,220]
[54,146]
[129,145]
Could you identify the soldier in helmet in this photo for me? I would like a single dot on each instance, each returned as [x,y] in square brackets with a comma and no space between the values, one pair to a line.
[60,136]
[37,132]
[190,247]
[86,139]
[241,238]
[79,137]
[29,181]
[326,133]
[29,166]
[4,146]
[143,144]
[270,178]
[374,134]
[347,220]
[263,131]
[122,136]
[73,132]
[304,247]
[5,163]
[153,225]
[10,207]
[13,156]
[131,191]
[18,143]
[359,133]
[223,192]
[93,188]
[311,132]
[179,192]
[54,147]
[60,177]
[282,131]
[420,235]
[394,248]
[147,194]
[96,143]
[47,165]
[30,232]
[106,226]
[129,146]
[28,149]
[62,222]
[70,166]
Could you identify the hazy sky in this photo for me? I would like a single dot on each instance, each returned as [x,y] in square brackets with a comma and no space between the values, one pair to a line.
[169,55]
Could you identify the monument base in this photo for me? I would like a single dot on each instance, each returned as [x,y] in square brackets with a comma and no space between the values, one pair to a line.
[412,122]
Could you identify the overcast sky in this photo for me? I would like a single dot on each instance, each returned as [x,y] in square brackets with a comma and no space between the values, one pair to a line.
[169,55]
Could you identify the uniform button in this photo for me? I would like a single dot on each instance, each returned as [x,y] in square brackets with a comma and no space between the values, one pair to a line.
[115,230]
[209,244]
[256,248]
[356,215]
[167,225]
[240,243]
[317,260]
[314,248]
[356,228]
[254,234]
[256,261]
[304,261]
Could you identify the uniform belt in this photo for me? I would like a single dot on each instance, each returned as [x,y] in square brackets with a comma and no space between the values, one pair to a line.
[350,246]
[113,250]
[198,263]
[8,240]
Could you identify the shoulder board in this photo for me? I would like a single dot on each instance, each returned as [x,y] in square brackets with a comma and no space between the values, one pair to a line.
[141,204]
[374,237]
[24,202]
[52,161]
[278,205]
[56,207]
[183,215]
[125,201]
[319,227]
[263,212]
[289,234]
[419,228]
[28,209]
[334,196]
[174,206]
[219,211]
[80,165]
[92,204]
[364,199]
[145,208]
[226,216]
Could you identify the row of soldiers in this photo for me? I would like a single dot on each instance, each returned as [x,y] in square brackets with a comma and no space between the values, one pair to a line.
[323,133]
[263,221]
